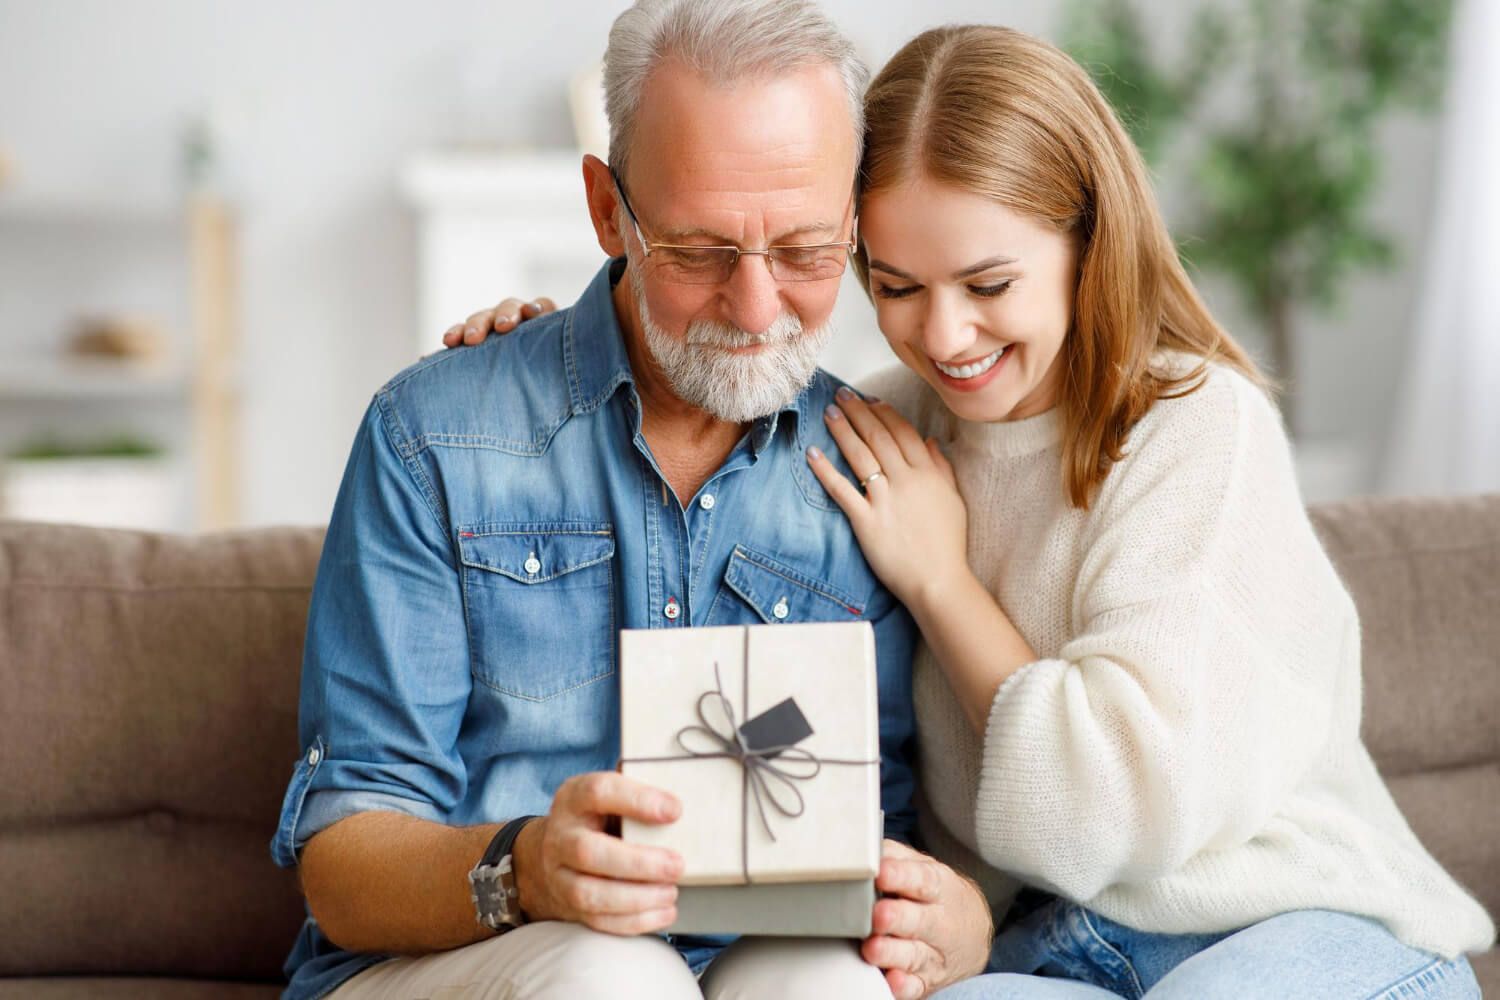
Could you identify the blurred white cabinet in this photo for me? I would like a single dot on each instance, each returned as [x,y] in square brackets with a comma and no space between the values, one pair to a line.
[491,225]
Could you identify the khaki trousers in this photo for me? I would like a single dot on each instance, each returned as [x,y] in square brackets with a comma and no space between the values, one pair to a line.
[554,960]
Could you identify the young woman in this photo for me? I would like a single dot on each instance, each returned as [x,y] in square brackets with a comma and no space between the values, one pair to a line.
[1139,695]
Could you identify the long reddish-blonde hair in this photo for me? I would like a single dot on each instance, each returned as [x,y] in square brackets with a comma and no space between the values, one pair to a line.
[1001,114]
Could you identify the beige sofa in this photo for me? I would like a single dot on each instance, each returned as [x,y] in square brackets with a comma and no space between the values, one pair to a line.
[148,699]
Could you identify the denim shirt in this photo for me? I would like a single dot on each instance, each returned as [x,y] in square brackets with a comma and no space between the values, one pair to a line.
[500,519]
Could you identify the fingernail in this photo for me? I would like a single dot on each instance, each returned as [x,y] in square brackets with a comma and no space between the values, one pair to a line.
[814,452]
[834,413]
[844,393]
[471,331]
[535,306]
[872,399]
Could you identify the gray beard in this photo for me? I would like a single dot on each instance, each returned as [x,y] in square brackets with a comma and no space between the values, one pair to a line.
[736,388]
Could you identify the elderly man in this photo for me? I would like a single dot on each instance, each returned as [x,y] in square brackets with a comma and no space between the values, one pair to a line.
[634,461]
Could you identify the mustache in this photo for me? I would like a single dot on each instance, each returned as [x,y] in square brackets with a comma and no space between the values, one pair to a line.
[706,333]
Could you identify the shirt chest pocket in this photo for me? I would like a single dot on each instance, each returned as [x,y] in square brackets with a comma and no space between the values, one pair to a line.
[761,590]
[539,601]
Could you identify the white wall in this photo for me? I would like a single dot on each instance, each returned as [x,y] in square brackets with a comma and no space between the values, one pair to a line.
[319,104]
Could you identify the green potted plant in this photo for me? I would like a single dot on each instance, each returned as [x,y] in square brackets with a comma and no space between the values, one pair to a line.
[122,481]
[1282,100]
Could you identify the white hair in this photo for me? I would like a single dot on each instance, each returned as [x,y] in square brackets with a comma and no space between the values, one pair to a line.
[726,41]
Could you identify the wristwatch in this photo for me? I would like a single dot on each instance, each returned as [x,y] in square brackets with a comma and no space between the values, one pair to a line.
[492,882]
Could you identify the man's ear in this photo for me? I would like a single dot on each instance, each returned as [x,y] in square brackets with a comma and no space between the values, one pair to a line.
[604,204]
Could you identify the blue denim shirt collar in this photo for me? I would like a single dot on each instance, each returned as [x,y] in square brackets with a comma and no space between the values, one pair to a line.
[597,368]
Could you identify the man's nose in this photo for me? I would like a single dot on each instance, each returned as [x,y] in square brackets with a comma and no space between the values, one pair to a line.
[752,298]
[947,329]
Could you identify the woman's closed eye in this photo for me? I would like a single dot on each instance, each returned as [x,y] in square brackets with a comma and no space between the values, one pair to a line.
[884,290]
[887,291]
[990,291]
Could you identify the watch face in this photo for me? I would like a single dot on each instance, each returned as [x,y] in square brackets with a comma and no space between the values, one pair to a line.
[489,900]
[494,894]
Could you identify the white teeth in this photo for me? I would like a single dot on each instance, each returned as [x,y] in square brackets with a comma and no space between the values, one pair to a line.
[973,370]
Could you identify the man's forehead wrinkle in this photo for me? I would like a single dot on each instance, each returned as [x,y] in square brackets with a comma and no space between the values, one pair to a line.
[764,186]
[751,183]
[815,173]
[788,156]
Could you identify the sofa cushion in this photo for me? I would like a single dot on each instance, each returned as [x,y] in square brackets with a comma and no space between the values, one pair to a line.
[1455,813]
[147,731]
[1425,574]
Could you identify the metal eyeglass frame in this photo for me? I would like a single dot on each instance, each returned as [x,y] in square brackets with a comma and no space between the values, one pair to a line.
[850,246]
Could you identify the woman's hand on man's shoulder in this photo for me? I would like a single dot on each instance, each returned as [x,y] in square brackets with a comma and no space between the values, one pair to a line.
[501,318]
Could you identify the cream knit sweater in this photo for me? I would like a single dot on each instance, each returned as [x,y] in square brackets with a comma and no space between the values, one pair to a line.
[1184,754]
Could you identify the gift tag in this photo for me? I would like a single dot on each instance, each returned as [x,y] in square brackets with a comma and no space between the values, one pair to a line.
[782,725]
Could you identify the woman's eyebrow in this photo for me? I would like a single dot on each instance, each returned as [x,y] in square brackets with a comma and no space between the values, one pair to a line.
[968,272]
[982,266]
[880,265]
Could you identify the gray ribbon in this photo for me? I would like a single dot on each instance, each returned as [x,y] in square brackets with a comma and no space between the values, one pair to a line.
[761,774]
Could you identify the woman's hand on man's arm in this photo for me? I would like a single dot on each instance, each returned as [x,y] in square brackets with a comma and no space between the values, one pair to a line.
[501,318]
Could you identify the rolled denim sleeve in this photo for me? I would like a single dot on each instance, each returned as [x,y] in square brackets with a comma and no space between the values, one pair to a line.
[385,669]
[895,643]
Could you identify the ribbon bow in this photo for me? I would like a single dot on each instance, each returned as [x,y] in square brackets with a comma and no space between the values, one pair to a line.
[763,775]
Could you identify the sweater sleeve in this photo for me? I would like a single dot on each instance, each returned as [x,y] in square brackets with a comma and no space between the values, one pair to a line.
[1197,687]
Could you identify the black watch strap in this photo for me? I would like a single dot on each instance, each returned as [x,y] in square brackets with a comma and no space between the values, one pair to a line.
[504,840]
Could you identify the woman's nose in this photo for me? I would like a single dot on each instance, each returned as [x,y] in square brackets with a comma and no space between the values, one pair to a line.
[947,330]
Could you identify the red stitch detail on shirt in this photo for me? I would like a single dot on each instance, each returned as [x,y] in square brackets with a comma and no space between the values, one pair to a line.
[466,534]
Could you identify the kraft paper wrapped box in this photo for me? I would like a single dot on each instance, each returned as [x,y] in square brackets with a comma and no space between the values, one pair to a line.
[769,736]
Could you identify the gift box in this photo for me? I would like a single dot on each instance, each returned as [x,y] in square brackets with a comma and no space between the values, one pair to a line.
[769,737]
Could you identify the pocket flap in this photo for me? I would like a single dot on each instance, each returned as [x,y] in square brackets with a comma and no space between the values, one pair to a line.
[535,556]
[779,593]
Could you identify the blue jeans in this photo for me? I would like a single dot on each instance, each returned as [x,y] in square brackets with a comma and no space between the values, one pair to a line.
[1061,951]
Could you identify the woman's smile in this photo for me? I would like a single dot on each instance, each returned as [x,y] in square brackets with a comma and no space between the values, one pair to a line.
[971,376]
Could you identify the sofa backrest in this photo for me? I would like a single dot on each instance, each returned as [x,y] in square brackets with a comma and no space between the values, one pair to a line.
[1425,574]
[148,699]
[148,707]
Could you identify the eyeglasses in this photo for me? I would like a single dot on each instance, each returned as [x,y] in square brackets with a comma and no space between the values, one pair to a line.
[696,265]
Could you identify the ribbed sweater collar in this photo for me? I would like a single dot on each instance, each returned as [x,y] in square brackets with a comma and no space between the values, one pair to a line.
[1012,438]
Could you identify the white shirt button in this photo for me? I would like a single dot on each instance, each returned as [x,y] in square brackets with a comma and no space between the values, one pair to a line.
[706,501]
[313,756]
[780,611]
[533,566]
[672,610]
